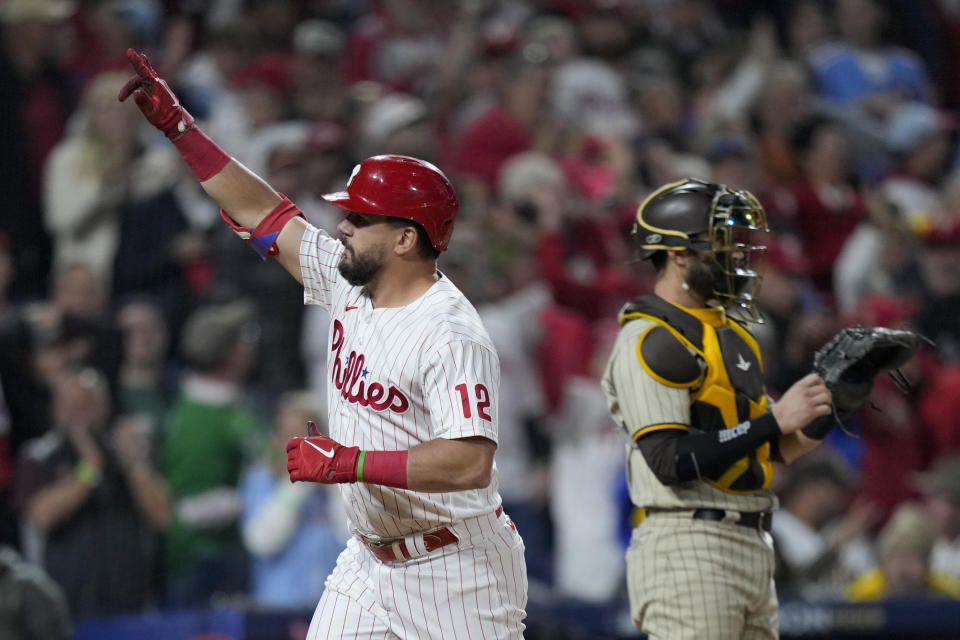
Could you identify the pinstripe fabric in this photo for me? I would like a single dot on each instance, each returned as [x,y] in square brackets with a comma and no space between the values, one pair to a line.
[647,401]
[398,377]
[476,590]
[694,579]
[436,354]
[687,579]
[638,401]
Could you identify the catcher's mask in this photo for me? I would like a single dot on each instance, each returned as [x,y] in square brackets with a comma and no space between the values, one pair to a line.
[692,215]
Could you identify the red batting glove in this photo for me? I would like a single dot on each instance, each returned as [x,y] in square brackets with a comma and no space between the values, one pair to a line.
[155,99]
[321,459]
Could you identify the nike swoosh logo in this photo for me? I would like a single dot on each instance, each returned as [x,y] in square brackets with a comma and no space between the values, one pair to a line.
[328,454]
[349,308]
[742,364]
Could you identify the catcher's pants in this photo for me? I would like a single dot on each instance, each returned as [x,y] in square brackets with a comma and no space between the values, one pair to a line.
[476,588]
[694,579]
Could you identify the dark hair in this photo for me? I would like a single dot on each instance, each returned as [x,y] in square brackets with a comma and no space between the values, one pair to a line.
[822,469]
[424,247]
[804,134]
[659,260]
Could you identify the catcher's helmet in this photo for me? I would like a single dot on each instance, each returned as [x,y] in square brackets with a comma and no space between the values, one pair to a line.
[702,216]
[402,187]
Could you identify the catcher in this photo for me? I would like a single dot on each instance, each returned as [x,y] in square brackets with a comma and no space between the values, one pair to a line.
[685,382]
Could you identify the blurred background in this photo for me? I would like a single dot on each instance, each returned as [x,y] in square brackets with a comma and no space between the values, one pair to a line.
[151,367]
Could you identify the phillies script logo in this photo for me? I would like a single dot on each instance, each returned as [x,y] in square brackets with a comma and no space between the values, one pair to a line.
[351,385]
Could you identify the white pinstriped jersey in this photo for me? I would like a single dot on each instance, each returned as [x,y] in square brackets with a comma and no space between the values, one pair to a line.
[398,377]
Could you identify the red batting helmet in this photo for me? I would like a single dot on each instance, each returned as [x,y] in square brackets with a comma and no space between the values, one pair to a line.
[402,187]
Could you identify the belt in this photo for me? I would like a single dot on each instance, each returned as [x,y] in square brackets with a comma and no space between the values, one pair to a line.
[751,519]
[414,545]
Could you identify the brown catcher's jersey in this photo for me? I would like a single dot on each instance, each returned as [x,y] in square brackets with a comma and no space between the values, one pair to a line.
[688,370]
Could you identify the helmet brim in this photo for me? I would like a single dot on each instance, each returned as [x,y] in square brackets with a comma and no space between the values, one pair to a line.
[344,200]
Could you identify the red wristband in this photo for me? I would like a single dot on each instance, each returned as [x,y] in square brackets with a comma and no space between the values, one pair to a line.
[204,157]
[388,468]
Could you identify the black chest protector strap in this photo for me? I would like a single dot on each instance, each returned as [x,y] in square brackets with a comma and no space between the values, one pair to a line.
[687,325]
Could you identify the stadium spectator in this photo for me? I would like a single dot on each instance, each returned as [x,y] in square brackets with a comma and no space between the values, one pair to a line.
[939,262]
[903,549]
[579,253]
[32,606]
[508,128]
[293,531]
[144,385]
[316,71]
[206,446]
[795,320]
[77,321]
[880,255]
[823,207]
[939,404]
[92,501]
[894,441]
[104,29]
[8,530]
[280,156]
[780,106]
[95,174]
[940,488]
[920,137]
[399,43]
[862,70]
[35,101]
[586,465]
[397,123]
[807,27]
[522,456]
[8,366]
[816,530]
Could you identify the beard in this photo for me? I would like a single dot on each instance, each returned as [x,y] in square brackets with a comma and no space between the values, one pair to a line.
[361,269]
[700,280]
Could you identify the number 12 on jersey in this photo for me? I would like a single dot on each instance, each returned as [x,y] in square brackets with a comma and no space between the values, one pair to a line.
[483,401]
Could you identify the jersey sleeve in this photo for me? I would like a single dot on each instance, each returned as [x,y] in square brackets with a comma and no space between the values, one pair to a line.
[319,257]
[461,390]
[641,403]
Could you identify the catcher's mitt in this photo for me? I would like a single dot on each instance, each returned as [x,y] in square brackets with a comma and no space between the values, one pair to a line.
[850,360]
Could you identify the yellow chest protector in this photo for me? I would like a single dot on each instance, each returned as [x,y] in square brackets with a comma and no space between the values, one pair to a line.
[729,389]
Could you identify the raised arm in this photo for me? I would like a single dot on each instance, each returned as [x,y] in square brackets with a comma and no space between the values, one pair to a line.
[250,206]
[258,211]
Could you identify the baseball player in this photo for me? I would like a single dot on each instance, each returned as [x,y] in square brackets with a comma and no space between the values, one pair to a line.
[684,381]
[412,397]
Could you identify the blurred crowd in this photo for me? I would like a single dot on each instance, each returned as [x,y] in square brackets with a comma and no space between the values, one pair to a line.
[151,366]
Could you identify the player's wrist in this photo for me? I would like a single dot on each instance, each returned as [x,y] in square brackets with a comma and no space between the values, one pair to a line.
[176,135]
[204,156]
[387,468]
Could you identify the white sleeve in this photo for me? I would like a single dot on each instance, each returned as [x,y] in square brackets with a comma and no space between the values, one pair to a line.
[275,522]
[71,197]
[319,257]
[461,388]
[857,267]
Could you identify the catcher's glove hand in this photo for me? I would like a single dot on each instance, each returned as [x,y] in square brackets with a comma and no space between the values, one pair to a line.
[850,360]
